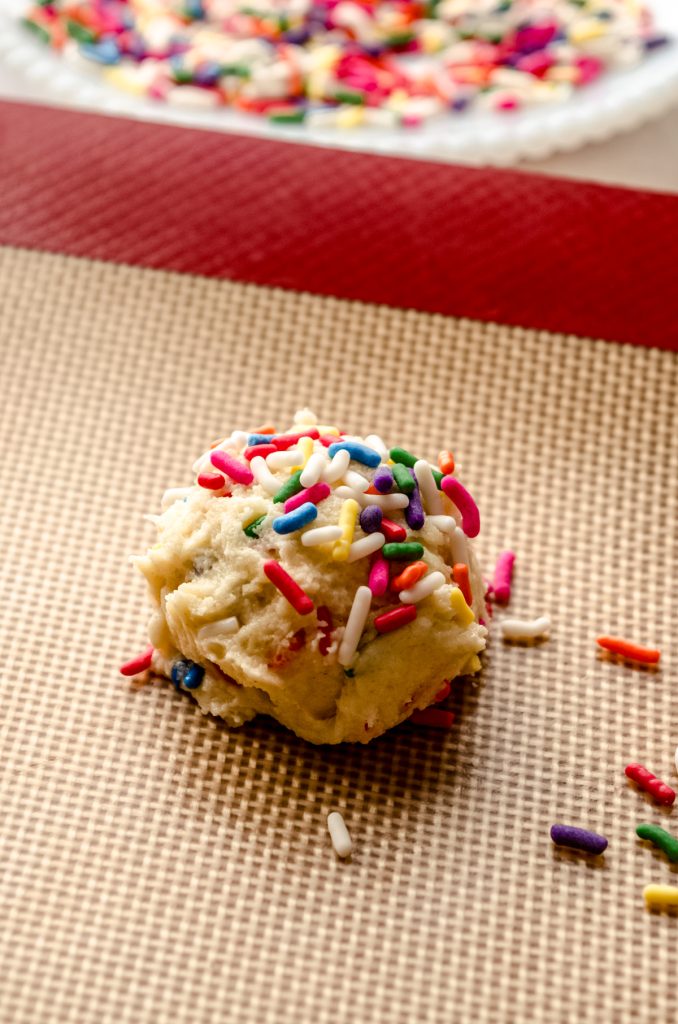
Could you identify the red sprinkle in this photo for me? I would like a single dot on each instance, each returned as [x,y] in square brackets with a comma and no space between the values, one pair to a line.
[395,618]
[259,449]
[443,692]
[328,439]
[625,649]
[662,793]
[290,590]
[393,532]
[315,494]
[211,481]
[284,441]
[460,577]
[141,663]
[433,717]
[238,472]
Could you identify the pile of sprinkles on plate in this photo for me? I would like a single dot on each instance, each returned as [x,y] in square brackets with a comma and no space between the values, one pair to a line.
[349,63]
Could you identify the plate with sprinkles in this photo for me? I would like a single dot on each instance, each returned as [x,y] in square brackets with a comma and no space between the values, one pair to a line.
[482,81]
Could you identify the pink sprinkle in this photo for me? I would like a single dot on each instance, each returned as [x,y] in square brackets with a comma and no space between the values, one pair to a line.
[457,493]
[503,571]
[589,69]
[227,464]
[314,494]
[508,103]
[433,717]
[211,481]
[378,578]
[141,663]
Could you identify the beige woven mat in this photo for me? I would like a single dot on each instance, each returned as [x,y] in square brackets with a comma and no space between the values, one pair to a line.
[157,867]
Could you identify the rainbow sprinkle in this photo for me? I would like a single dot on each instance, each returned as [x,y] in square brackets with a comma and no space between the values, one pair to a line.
[349,63]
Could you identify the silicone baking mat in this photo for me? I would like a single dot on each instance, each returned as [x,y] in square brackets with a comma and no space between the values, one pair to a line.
[158,867]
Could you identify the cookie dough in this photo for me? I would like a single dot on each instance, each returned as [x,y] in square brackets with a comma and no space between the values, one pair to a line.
[309,575]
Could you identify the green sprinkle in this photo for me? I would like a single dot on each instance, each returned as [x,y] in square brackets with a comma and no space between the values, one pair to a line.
[349,672]
[403,457]
[289,488]
[252,529]
[42,33]
[405,552]
[404,481]
[288,116]
[351,96]
[661,838]
[80,33]
[400,38]
[236,70]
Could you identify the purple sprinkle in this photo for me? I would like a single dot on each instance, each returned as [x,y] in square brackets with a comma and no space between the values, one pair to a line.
[383,480]
[414,513]
[370,519]
[578,838]
[654,42]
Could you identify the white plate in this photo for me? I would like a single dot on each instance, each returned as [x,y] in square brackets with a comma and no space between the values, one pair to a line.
[618,101]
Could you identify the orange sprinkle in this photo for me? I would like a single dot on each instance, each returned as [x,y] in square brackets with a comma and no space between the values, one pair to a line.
[409,576]
[626,649]
[446,463]
[266,429]
[371,490]
[460,577]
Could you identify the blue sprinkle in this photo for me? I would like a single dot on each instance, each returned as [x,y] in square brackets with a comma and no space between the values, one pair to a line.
[188,674]
[383,480]
[194,676]
[370,519]
[207,73]
[292,521]
[358,452]
[104,52]
[254,439]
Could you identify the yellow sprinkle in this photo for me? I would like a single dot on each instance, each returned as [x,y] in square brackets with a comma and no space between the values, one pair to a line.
[586,30]
[475,664]
[305,446]
[350,117]
[347,520]
[121,78]
[562,74]
[460,608]
[660,897]
[324,431]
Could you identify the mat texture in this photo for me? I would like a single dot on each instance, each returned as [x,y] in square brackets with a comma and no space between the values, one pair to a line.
[158,867]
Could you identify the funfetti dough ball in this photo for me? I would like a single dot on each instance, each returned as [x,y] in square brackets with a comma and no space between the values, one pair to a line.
[316,577]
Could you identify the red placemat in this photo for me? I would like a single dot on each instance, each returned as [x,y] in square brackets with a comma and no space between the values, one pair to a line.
[495,245]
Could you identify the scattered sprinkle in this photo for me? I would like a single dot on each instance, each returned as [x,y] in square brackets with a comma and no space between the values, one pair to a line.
[661,897]
[237,471]
[409,576]
[290,487]
[661,838]
[370,519]
[501,581]
[462,612]
[628,650]
[263,475]
[211,481]
[414,513]
[187,674]
[295,520]
[378,578]
[459,496]
[403,480]
[315,494]
[252,529]
[648,782]
[222,627]
[357,451]
[365,546]
[409,551]
[320,535]
[578,839]
[524,629]
[461,578]
[383,480]
[341,840]
[141,663]
[424,588]
[347,522]
[446,463]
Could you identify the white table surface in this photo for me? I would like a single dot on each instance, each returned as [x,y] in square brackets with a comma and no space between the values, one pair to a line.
[646,158]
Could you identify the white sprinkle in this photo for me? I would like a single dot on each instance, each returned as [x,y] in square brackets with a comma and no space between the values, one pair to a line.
[522,629]
[280,460]
[445,523]
[263,475]
[313,469]
[223,627]
[191,96]
[374,441]
[341,840]
[356,480]
[422,588]
[428,488]
[203,464]
[173,494]
[237,442]
[389,502]
[459,546]
[321,535]
[357,618]
[337,467]
[305,418]
[365,546]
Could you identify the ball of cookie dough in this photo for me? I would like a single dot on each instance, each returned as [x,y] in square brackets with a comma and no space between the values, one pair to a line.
[319,578]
